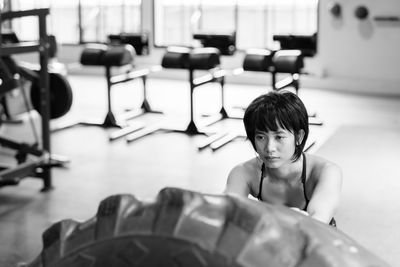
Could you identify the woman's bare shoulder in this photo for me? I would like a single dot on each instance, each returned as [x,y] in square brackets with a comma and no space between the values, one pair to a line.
[242,177]
[247,168]
[319,166]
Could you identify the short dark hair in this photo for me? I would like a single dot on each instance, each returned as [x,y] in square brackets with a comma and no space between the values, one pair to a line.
[277,109]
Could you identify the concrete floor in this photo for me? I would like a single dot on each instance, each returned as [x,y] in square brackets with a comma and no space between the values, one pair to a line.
[99,168]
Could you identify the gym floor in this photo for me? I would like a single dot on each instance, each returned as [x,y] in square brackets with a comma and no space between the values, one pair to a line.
[360,133]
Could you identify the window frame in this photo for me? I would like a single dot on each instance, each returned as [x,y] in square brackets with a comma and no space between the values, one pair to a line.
[236,24]
[78,13]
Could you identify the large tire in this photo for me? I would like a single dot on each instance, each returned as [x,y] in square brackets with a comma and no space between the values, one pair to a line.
[185,228]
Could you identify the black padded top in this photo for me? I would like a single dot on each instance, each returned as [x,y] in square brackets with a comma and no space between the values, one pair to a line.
[258,60]
[107,55]
[195,59]
[288,61]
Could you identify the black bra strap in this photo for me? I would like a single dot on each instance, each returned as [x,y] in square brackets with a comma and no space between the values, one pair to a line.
[304,171]
[303,180]
[259,197]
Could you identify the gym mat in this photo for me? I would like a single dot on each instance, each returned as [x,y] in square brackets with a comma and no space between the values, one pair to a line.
[369,209]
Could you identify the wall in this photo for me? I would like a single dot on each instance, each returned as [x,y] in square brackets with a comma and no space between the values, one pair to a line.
[359,55]
[353,55]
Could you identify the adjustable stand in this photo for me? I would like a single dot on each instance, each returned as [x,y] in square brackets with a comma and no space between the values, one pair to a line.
[216,76]
[144,108]
[206,58]
[262,60]
[219,139]
[110,119]
[191,128]
[293,81]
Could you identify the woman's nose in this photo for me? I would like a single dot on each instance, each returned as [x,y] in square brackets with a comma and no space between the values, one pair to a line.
[269,145]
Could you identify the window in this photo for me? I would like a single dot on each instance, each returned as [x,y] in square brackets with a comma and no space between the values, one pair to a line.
[174,21]
[103,17]
[177,20]
[20,25]
[259,21]
[64,21]
[211,10]
[78,21]
[254,21]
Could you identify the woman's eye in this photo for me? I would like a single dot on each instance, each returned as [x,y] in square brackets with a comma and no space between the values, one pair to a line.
[279,137]
[259,137]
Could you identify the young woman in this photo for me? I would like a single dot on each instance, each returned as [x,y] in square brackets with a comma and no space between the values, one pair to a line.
[277,126]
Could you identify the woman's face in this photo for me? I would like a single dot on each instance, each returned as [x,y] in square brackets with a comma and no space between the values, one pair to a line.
[275,148]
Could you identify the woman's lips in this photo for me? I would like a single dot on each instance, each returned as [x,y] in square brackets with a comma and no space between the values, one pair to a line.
[270,158]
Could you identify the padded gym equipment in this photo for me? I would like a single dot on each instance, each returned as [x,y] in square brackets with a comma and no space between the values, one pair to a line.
[30,160]
[276,62]
[59,88]
[93,54]
[225,43]
[60,91]
[39,46]
[11,37]
[192,59]
[258,60]
[176,57]
[110,56]
[206,59]
[187,228]
[60,95]
[307,44]
[139,41]
[288,62]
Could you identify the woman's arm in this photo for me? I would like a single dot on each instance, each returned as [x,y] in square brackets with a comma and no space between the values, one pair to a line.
[237,182]
[326,195]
